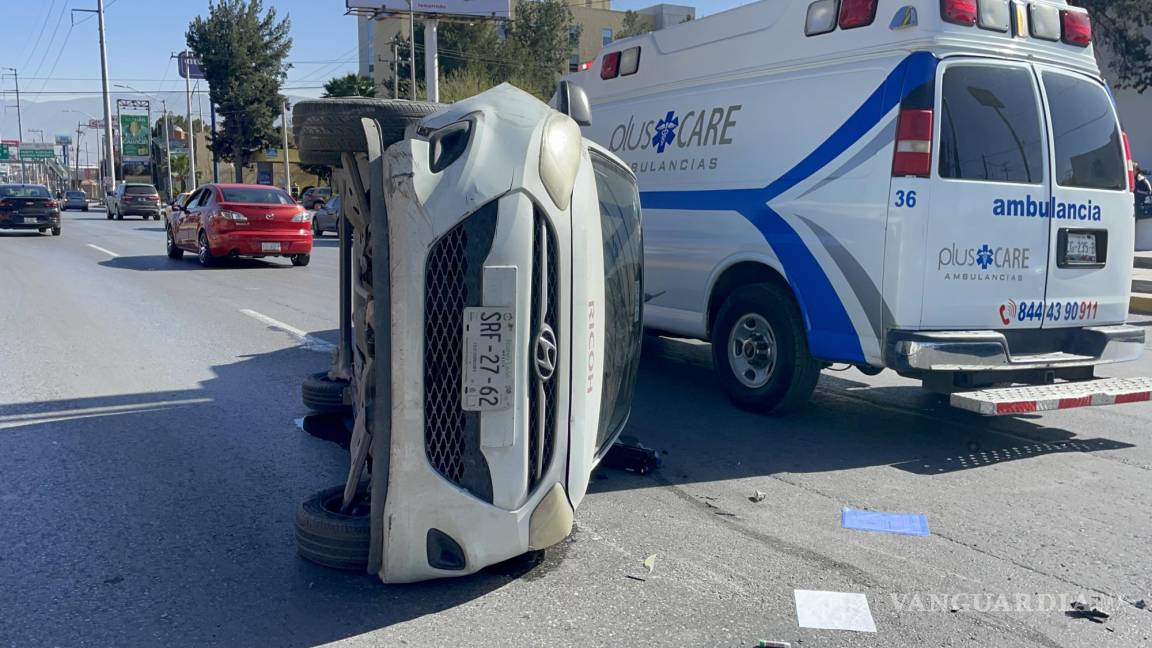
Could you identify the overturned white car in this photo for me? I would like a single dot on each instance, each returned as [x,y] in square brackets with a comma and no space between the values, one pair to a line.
[493,286]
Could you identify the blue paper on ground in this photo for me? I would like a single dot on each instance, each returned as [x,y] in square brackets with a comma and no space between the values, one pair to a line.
[914,524]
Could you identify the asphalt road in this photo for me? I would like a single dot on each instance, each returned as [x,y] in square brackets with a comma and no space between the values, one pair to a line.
[150,468]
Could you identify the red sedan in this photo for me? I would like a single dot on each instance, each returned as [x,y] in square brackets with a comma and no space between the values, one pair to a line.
[234,220]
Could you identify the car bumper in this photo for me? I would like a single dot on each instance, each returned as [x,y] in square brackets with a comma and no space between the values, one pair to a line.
[140,210]
[75,205]
[968,351]
[18,222]
[253,243]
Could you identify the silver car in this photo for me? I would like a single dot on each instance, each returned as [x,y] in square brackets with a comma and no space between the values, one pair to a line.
[75,200]
[326,217]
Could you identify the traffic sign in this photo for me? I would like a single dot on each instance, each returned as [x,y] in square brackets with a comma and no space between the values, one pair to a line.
[37,151]
[189,66]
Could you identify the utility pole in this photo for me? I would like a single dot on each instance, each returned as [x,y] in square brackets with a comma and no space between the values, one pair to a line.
[108,146]
[19,125]
[284,132]
[191,129]
[431,60]
[167,151]
[77,178]
[396,67]
[412,46]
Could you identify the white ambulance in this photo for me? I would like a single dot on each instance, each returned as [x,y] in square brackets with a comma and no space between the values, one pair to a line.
[938,187]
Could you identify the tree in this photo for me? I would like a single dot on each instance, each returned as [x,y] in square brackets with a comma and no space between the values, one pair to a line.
[634,25]
[350,85]
[1119,27]
[241,48]
[538,44]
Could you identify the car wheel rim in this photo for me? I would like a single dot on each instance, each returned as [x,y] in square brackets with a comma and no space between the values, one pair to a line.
[752,351]
[204,253]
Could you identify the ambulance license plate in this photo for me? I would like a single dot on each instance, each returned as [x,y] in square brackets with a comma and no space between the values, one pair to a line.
[489,360]
[31,221]
[1080,248]
[269,247]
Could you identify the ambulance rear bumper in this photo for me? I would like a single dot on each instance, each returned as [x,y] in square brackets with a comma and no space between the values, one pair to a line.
[961,351]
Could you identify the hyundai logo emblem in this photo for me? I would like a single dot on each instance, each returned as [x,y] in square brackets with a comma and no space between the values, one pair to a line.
[269,216]
[546,354]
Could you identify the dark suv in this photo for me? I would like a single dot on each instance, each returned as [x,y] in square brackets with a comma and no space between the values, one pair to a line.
[134,200]
[29,207]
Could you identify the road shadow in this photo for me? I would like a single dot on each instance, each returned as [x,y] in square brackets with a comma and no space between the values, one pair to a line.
[331,241]
[158,228]
[680,411]
[166,518]
[161,263]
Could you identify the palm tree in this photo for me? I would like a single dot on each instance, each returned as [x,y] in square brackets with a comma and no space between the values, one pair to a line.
[350,85]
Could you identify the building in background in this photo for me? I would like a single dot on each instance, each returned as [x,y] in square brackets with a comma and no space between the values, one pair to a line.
[599,25]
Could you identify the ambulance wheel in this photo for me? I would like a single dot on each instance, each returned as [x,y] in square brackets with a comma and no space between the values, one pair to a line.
[760,351]
[330,538]
[322,394]
[325,128]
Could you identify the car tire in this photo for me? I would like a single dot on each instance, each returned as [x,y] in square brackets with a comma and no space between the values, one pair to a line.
[174,251]
[322,394]
[109,214]
[329,538]
[204,251]
[119,214]
[325,128]
[760,351]
[317,231]
[85,209]
[55,231]
[42,230]
[301,260]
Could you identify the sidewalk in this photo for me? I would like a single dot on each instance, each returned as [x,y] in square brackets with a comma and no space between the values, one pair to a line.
[1142,284]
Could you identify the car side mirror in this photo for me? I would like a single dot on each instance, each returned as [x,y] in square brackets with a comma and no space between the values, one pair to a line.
[571,100]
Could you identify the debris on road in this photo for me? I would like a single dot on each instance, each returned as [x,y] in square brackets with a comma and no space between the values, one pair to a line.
[630,455]
[757,497]
[833,611]
[1082,610]
[913,524]
[719,511]
[765,643]
[650,563]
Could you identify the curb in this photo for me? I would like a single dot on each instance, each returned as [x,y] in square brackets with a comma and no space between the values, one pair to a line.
[1141,304]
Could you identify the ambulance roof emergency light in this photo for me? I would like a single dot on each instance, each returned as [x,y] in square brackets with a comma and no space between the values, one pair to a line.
[1044,22]
[857,13]
[1075,27]
[995,15]
[959,12]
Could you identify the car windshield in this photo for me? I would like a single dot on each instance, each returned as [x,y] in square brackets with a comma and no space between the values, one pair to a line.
[75,194]
[256,195]
[140,190]
[17,191]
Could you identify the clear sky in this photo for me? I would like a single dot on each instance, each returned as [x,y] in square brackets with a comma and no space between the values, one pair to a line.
[56,58]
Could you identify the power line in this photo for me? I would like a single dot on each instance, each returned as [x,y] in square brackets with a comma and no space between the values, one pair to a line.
[37,41]
[48,48]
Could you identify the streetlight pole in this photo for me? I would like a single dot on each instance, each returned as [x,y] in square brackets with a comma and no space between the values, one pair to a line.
[284,132]
[19,125]
[191,129]
[109,148]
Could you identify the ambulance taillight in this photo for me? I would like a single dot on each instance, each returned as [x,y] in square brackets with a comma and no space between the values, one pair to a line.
[913,155]
[857,13]
[1075,27]
[1130,164]
[960,12]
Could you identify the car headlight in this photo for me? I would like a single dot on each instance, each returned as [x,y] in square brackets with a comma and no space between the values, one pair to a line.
[560,158]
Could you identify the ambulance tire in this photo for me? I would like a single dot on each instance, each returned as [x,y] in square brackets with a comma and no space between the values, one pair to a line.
[333,539]
[325,128]
[770,349]
[322,394]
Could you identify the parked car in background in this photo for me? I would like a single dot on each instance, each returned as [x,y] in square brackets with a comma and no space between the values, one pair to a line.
[234,220]
[132,199]
[326,217]
[75,200]
[315,196]
[25,206]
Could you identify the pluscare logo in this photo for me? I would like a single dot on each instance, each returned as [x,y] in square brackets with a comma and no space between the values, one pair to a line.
[665,131]
[985,257]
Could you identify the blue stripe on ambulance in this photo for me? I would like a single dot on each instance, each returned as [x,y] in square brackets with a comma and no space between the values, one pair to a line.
[831,334]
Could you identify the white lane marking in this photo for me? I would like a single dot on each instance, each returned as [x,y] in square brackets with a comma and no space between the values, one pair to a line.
[55,416]
[310,342]
[100,249]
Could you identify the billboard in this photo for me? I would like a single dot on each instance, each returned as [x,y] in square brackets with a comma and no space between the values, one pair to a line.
[135,139]
[63,140]
[95,123]
[491,8]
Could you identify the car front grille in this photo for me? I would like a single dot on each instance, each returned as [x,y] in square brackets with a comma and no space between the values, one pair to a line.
[542,393]
[453,280]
